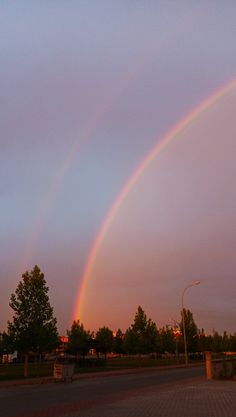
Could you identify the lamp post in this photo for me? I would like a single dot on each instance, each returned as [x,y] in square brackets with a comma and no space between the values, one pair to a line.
[183,319]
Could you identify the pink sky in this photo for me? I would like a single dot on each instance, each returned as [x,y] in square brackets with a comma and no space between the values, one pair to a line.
[188,192]
[87,91]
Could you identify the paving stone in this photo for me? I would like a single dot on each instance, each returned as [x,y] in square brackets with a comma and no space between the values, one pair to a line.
[205,399]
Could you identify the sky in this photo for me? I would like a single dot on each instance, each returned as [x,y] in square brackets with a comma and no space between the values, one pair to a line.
[88,89]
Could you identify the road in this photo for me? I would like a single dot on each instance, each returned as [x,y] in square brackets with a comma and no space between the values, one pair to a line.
[64,399]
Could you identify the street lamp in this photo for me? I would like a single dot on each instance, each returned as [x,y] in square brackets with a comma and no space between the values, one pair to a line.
[183,319]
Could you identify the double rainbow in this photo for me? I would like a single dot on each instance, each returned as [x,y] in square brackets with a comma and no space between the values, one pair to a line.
[150,157]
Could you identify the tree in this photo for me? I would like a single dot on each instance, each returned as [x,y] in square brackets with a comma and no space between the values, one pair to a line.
[1,344]
[118,342]
[142,336]
[191,330]
[5,343]
[205,341]
[168,341]
[232,342]
[225,342]
[130,341]
[152,337]
[79,341]
[33,329]
[217,342]
[104,340]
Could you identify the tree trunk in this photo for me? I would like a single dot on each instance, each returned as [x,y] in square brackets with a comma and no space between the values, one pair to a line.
[26,365]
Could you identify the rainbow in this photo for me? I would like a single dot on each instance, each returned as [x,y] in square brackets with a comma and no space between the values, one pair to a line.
[97,118]
[57,180]
[150,157]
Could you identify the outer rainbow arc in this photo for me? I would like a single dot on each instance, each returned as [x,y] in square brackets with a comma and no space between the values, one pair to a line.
[178,128]
[96,119]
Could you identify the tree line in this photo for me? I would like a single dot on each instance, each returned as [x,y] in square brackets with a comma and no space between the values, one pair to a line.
[143,337]
[33,329]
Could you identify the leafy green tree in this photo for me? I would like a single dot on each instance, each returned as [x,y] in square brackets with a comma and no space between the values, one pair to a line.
[168,341]
[34,328]
[79,339]
[1,345]
[225,342]
[138,329]
[130,341]
[118,342]
[232,342]
[104,341]
[205,341]
[135,335]
[191,330]
[152,337]
[217,342]
[142,336]
[5,344]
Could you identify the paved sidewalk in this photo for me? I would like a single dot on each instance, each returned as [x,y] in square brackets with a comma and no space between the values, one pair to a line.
[202,399]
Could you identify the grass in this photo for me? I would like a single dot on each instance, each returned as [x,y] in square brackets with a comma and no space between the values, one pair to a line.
[44,369]
[16,370]
[136,362]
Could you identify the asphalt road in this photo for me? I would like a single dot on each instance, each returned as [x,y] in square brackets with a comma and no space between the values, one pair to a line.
[60,399]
